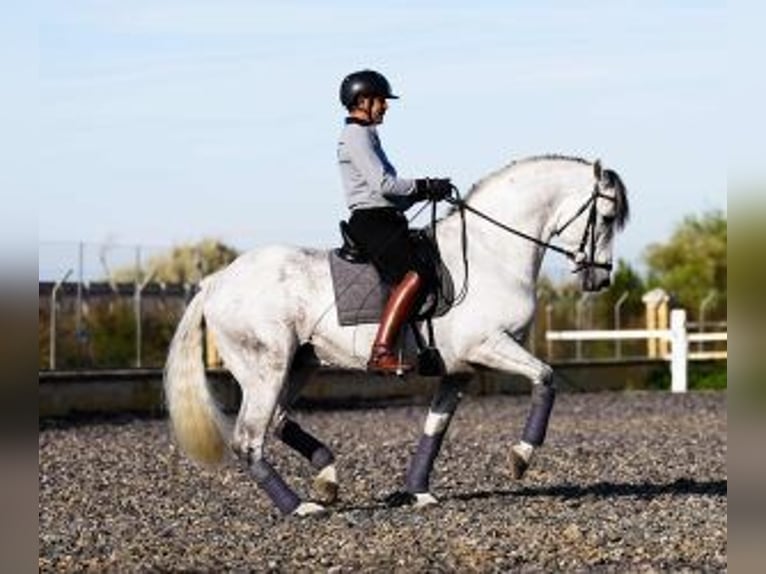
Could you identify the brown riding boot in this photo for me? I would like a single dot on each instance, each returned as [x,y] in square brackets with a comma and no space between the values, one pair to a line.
[397,310]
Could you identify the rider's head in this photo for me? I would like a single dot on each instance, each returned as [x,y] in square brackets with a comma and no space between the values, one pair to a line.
[364,95]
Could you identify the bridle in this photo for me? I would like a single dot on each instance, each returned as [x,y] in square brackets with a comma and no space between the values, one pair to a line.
[581,259]
[589,233]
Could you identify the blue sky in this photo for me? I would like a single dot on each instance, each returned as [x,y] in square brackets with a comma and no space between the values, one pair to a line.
[167,121]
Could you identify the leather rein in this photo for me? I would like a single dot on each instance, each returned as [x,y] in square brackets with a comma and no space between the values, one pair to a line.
[588,239]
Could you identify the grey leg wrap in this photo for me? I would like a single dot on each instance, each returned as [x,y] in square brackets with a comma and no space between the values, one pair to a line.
[543,396]
[274,486]
[445,402]
[313,450]
[422,463]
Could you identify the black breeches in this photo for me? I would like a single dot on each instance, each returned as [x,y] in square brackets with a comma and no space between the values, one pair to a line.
[383,234]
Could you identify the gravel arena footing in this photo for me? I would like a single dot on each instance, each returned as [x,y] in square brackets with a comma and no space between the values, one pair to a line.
[630,481]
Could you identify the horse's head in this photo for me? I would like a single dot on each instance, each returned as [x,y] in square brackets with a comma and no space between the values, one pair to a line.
[592,228]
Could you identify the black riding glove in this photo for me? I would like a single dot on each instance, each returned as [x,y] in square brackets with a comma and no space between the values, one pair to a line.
[435,189]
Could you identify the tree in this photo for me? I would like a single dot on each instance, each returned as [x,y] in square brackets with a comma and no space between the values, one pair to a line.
[693,262]
[185,263]
[625,279]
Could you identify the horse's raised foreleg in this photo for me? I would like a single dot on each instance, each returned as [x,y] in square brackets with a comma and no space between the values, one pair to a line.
[502,352]
[442,408]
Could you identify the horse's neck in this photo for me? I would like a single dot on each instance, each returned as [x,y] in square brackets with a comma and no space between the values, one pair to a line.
[531,196]
[529,199]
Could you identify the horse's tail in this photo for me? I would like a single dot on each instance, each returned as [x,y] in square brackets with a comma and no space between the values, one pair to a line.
[195,418]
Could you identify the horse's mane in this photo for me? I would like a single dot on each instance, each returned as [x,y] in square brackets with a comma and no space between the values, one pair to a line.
[523,161]
[622,208]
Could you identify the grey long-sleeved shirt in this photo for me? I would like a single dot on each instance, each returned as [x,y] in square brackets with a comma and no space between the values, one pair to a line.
[369,179]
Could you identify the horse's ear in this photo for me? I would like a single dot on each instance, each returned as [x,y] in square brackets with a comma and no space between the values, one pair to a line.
[597,169]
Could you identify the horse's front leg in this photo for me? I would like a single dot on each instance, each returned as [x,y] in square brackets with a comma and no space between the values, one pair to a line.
[502,352]
[442,408]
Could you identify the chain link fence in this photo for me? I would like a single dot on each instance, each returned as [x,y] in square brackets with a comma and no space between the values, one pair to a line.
[91,318]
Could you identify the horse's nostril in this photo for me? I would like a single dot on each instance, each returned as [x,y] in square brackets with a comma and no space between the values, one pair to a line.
[593,282]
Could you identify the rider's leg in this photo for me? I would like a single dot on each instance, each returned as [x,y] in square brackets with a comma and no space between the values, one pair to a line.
[383,232]
[396,312]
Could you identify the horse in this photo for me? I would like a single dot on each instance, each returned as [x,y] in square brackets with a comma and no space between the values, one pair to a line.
[268,314]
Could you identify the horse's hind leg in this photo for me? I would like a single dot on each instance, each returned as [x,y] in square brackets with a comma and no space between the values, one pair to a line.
[293,435]
[262,379]
[440,414]
[316,452]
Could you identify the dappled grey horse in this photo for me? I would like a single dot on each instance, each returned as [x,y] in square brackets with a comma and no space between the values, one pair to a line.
[268,314]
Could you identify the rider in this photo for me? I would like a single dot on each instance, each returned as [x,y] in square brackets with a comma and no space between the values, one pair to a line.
[377,198]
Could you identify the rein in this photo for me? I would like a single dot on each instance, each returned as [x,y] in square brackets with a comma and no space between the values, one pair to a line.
[576,256]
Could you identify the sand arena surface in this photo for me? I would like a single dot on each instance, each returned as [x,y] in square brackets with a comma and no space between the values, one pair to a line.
[626,481]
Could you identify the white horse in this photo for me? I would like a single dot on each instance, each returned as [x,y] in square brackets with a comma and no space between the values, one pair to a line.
[268,314]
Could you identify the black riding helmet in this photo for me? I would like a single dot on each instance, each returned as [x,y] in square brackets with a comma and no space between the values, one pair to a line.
[364,83]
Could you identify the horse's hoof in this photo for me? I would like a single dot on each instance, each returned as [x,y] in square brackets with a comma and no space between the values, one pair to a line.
[518,466]
[309,509]
[424,499]
[399,498]
[415,500]
[326,492]
[519,462]
[326,485]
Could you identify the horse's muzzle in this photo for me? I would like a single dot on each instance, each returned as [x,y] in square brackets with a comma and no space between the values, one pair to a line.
[594,279]
[603,284]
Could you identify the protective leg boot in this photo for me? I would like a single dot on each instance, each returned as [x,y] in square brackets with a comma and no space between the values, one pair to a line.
[397,310]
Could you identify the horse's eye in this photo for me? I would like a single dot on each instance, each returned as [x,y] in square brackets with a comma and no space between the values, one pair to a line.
[608,219]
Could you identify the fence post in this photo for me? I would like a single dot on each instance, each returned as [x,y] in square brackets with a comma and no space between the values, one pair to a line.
[679,351]
[548,327]
[701,316]
[532,335]
[137,292]
[79,331]
[617,325]
[579,316]
[52,335]
[656,318]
